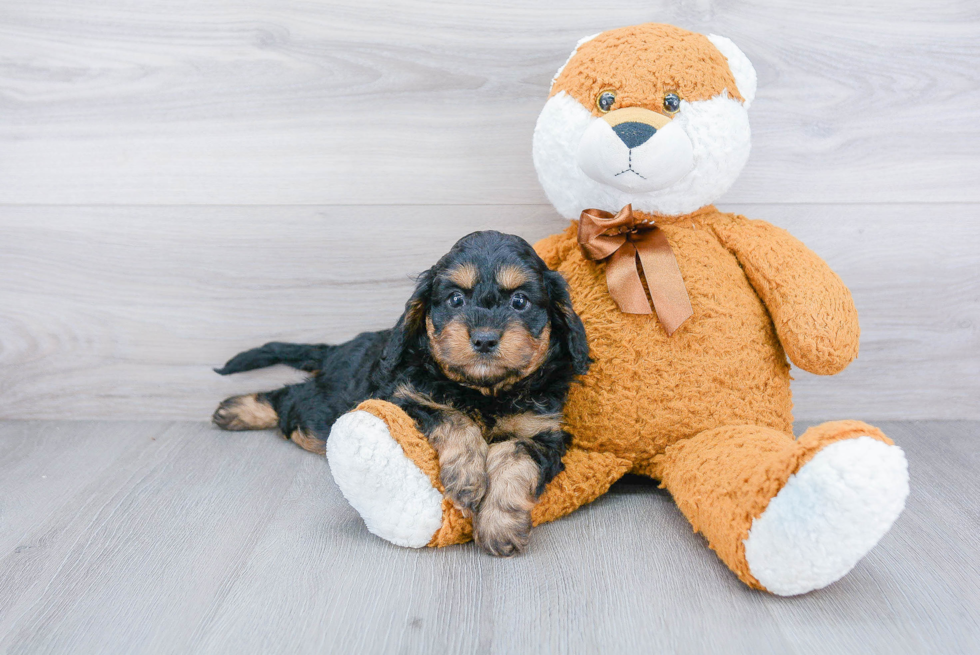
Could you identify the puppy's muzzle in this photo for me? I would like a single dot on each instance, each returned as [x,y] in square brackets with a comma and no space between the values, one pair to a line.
[485,341]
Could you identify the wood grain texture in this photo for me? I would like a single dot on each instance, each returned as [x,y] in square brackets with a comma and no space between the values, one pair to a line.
[142,537]
[375,102]
[179,181]
[122,312]
[245,140]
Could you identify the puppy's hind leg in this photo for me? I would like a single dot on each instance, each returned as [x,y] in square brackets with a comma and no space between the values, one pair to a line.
[307,440]
[262,411]
[253,411]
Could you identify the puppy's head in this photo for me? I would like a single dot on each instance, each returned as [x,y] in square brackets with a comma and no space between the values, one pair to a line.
[490,314]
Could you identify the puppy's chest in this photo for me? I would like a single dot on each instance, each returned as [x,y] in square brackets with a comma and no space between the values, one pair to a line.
[490,416]
[501,418]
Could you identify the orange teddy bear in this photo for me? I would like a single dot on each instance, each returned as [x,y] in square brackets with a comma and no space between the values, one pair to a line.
[691,314]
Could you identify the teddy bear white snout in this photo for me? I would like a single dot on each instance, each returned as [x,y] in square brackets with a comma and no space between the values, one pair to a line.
[635,150]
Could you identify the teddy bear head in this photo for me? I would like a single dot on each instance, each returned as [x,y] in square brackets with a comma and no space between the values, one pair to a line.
[649,115]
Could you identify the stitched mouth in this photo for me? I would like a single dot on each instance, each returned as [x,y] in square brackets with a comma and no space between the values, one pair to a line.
[629,168]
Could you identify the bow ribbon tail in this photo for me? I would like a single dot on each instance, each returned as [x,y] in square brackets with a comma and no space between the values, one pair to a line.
[664,279]
[623,281]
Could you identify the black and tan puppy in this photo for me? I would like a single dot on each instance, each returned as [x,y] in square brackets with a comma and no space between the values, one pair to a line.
[482,360]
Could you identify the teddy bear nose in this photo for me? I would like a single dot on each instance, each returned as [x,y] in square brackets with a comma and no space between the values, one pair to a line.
[634,134]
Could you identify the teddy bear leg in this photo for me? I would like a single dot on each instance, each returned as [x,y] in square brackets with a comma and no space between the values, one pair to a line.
[788,515]
[389,473]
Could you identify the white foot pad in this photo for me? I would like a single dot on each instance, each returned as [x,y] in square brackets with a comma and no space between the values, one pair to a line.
[828,516]
[396,500]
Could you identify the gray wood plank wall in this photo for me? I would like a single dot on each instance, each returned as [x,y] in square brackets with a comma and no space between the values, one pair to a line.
[180,181]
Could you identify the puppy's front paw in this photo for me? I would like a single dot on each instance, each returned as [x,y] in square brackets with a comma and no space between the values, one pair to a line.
[465,480]
[500,532]
[503,525]
[245,413]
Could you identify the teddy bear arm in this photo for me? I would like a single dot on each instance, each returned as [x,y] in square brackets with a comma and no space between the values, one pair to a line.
[586,476]
[811,308]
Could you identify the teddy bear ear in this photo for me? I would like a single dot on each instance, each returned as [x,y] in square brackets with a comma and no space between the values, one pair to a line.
[740,66]
[578,45]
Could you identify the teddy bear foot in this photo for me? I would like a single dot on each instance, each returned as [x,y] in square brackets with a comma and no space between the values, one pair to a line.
[394,497]
[828,516]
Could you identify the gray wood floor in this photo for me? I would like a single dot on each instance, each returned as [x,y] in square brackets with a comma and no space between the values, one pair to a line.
[172,537]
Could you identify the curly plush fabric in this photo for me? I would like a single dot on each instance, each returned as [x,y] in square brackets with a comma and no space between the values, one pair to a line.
[723,479]
[811,308]
[707,410]
[644,62]
[725,366]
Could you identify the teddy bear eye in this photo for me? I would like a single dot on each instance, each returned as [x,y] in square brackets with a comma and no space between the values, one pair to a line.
[605,101]
[672,103]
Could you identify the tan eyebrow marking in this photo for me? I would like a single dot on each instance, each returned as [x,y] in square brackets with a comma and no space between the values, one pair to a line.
[511,277]
[464,275]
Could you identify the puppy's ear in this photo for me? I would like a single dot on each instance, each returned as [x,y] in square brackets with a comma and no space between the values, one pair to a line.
[411,325]
[566,325]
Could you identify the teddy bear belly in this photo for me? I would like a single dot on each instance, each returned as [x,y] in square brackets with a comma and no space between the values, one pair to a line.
[645,390]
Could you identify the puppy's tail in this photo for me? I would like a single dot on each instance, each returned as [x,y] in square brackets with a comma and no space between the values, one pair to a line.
[304,357]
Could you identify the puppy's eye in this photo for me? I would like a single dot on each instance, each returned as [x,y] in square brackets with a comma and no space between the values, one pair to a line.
[519,302]
[457,299]
[605,101]
[672,103]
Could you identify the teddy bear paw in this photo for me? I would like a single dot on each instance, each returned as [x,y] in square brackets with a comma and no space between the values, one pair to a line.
[828,516]
[394,497]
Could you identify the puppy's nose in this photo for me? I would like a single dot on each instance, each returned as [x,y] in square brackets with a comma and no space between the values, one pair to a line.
[485,341]
[634,134]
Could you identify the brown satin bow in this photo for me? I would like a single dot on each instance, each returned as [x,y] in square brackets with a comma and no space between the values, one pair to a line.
[621,239]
